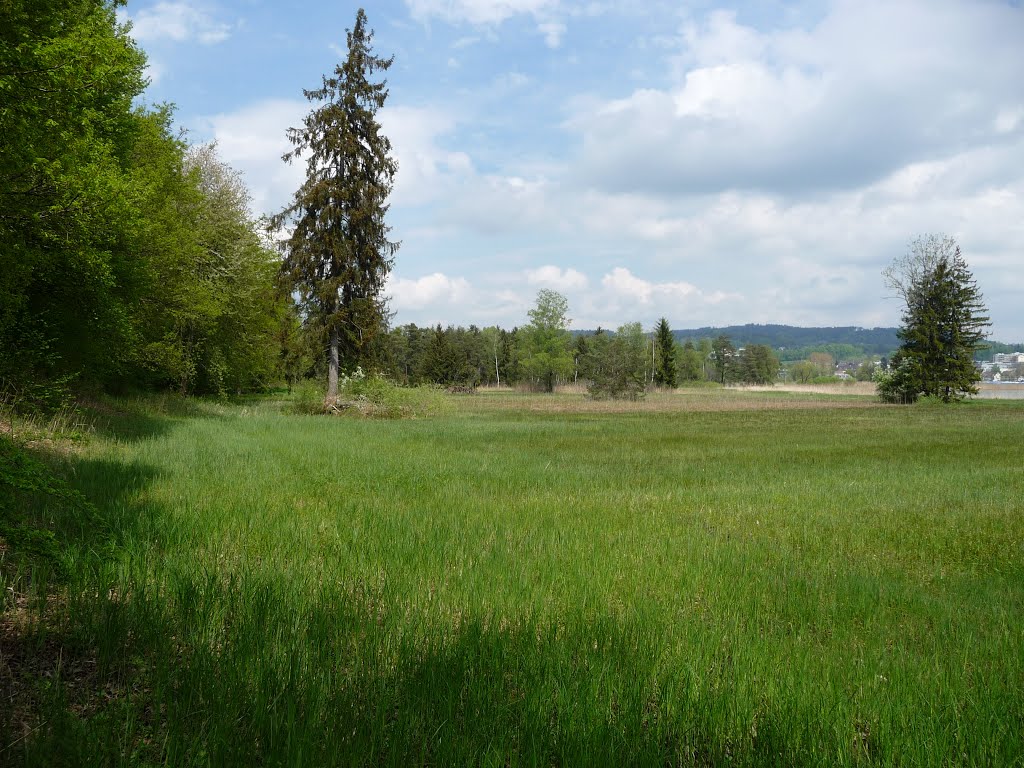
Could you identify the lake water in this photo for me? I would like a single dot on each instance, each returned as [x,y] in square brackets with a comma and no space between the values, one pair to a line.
[1000,392]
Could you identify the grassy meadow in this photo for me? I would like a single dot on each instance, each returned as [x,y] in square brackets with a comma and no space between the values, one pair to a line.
[702,578]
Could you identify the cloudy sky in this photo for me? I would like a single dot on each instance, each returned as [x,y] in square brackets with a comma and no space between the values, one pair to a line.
[755,162]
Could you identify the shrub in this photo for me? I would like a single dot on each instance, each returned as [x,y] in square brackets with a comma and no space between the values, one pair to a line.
[372,396]
[898,383]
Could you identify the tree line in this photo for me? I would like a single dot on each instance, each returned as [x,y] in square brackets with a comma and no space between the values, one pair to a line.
[128,258]
[543,353]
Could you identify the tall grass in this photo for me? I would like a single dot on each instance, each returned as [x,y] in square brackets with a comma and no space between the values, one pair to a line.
[761,579]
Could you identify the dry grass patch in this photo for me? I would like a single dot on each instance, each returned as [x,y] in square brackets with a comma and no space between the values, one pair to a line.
[678,401]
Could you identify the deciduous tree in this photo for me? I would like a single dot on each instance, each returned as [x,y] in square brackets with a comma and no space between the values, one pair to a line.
[724,355]
[546,341]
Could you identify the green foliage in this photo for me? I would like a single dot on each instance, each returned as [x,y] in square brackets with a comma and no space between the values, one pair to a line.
[546,342]
[796,343]
[618,364]
[27,487]
[865,371]
[723,355]
[758,365]
[441,360]
[665,374]
[378,397]
[802,371]
[371,396]
[125,258]
[68,76]
[338,254]
[691,362]
[897,384]
[944,318]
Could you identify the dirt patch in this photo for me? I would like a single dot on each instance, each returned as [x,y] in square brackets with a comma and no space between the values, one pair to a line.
[850,388]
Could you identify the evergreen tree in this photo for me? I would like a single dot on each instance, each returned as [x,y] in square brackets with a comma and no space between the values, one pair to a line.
[339,255]
[759,364]
[619,365]
[943,320]
[441,360]
[665,370]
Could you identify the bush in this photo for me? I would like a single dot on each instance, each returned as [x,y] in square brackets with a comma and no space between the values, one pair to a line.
[372,396]
[897,384]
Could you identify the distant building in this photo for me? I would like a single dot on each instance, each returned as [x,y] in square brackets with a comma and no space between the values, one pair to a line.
[1008,358]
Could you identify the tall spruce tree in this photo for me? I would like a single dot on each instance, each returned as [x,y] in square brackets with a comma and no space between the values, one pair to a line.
[338,254]
[665,369]
[944,320]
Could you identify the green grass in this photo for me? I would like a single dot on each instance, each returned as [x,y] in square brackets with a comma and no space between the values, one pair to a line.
[701,578]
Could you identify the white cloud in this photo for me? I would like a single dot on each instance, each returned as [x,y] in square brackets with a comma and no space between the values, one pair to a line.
[794,111]
[179,22]
[253,139]
[477,11]
[557,278]
[429,291]
[426,170]
[491,13]
[622,283]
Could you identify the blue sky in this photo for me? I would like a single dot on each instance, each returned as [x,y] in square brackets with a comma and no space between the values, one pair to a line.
[713,164]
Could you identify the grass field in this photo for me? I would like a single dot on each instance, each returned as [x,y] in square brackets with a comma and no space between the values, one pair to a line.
[702,578]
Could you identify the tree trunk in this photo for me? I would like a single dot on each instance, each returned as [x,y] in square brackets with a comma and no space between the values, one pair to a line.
[332,366]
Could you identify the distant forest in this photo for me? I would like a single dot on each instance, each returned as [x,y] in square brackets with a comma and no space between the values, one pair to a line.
[794,343]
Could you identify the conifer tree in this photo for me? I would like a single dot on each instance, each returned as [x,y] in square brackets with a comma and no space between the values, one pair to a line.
[943,320]
[665,370]
[338,254]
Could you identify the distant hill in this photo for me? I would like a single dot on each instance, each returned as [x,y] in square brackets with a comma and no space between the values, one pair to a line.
[879,341]
[791,342]
[794,343]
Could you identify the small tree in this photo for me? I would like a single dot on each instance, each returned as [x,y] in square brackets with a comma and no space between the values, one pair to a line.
[824,364]
[724,355]
[897,383]
[690,365]
[759,364]
[665,368]
[338,254]
[802,372]
[619,365]
[943,319]
[546,341]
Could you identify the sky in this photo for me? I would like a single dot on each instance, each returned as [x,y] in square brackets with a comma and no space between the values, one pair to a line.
[715,164]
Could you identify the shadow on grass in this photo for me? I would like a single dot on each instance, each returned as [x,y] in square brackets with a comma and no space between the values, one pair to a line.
[243,672]
[64,517]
